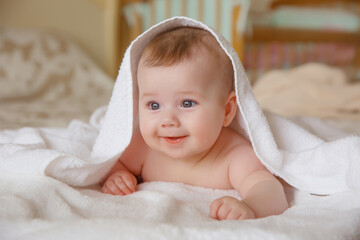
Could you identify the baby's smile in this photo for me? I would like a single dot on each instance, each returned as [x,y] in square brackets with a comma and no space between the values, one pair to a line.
[175,140]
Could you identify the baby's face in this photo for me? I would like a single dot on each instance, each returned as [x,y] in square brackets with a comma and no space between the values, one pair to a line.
[181,107]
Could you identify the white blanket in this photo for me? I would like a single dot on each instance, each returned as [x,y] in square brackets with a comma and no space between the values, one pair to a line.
[38,166]
[44,208]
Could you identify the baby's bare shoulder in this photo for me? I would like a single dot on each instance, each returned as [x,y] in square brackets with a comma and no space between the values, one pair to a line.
[240,153]
[235,142]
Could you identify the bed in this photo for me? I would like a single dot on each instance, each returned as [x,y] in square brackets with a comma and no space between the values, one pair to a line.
[56,73]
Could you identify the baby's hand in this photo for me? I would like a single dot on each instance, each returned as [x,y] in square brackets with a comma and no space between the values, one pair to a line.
[120,183]
[229,208]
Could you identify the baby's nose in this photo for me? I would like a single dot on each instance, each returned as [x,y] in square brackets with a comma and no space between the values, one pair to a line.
[170,120]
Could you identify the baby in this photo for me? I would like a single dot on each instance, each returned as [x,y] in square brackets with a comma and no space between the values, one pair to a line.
[186,103]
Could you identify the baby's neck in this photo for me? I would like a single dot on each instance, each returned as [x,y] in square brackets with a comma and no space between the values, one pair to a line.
[190,161]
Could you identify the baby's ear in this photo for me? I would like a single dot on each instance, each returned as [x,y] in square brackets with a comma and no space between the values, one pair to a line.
[230,108]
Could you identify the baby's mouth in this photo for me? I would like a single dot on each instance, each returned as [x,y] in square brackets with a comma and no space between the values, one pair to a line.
[174,140]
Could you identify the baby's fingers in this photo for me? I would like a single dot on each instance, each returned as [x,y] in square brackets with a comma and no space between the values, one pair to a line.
[111,187]
[215,207]
[223,212]
[123,185]
[104,189]
[130,181]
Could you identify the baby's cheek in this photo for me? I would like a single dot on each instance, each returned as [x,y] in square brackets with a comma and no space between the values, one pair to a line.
[145,130]
[207,132]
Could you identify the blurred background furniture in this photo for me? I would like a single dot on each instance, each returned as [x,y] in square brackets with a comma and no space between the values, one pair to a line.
[226,16]
[288,33]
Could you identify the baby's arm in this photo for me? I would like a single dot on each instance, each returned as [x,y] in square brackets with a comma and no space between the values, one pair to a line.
[122,180]
[263,195]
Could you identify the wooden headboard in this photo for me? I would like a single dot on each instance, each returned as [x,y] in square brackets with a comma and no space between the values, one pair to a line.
[93,24]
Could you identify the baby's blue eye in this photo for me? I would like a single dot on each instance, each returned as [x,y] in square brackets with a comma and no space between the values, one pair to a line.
[188,104]
[154,106]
